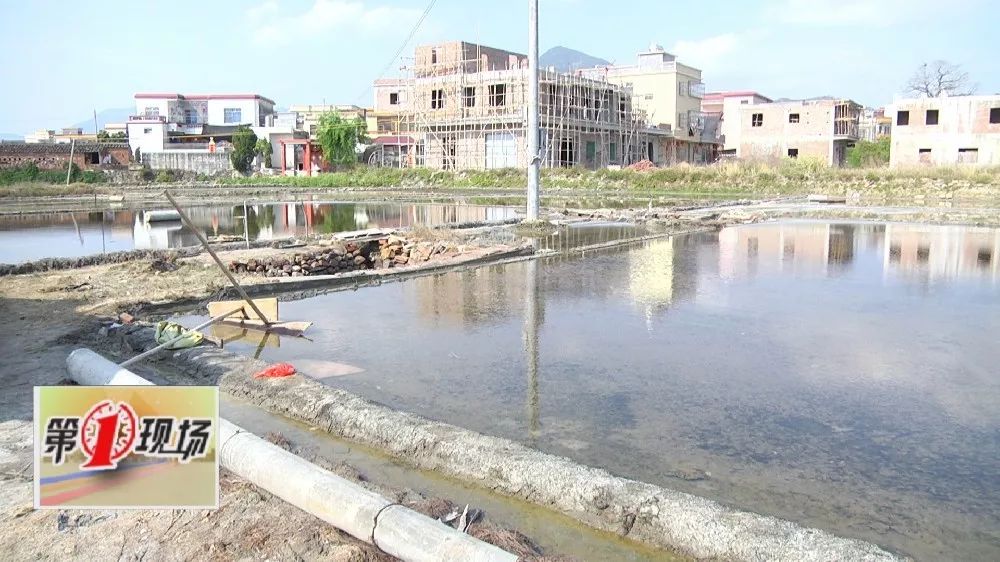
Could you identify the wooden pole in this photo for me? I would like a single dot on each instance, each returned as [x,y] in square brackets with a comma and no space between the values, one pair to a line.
[225,270]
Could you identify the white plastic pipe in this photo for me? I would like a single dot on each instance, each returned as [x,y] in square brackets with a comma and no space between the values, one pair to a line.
[399,531]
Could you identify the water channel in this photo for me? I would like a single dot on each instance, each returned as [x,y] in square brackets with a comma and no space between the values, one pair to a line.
[843,376]
[71,234]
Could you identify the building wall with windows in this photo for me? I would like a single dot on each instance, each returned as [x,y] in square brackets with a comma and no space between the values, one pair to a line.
[821,129]
[727,106]
[205,109]
[456,57]
[959,130]
[668,92]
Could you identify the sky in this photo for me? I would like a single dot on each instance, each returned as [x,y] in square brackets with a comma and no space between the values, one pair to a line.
[62,60]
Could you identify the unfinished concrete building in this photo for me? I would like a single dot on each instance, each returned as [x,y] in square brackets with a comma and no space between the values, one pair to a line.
[465,107]
[946,131]
[821,129]
[669,94]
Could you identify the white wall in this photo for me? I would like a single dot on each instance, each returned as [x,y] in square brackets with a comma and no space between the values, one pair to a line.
[146,142]
[247,107]
[161,104]
[274,135]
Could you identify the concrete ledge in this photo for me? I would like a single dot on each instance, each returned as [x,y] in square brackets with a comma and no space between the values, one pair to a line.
[650,514]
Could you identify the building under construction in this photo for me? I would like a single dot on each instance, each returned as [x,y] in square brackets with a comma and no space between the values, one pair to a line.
[465,106]
[822,129]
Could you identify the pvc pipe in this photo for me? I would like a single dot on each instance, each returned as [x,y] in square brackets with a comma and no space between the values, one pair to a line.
[393,528]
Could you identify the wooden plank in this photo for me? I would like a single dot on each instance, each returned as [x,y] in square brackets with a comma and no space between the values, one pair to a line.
[269,306]
[286,328]
[228,333]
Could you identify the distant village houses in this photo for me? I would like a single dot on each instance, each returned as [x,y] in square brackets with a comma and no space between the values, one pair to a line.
[953,130]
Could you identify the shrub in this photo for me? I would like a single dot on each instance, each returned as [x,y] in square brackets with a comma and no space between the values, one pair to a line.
[244,149]
[867,154]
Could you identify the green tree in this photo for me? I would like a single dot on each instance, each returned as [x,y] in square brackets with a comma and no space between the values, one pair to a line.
[244,149]
[868,154]
[264,150]
[338,138]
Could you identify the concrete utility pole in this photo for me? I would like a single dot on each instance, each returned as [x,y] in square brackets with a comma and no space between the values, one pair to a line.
[69,169]
[534,159]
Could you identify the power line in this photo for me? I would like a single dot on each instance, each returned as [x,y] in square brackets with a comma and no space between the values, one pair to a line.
[402,47]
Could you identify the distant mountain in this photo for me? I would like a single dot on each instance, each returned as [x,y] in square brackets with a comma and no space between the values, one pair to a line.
[105,116]
[11,136]
[568,60]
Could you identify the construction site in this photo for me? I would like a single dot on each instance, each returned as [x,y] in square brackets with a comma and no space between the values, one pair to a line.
[463,106]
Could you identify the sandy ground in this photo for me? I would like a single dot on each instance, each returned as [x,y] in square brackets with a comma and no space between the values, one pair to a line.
[46,314]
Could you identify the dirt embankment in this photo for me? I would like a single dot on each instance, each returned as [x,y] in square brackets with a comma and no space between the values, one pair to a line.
[51,312]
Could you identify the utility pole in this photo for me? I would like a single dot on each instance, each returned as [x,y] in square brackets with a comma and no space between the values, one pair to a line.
[69,169]
[534,159]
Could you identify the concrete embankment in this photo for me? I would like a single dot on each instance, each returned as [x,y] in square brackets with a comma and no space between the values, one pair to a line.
[642,512]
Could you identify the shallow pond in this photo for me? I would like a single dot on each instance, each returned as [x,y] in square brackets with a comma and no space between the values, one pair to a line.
[71,234]
[843,376]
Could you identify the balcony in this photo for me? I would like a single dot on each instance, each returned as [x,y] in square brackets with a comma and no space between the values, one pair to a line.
[696,89]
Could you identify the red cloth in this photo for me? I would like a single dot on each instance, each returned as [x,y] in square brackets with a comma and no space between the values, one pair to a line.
[275,371]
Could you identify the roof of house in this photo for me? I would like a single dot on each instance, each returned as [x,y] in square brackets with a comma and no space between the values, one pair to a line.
[176,96]
[733,94]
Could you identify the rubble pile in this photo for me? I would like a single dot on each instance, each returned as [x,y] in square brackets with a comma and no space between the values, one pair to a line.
[396,250]
[384,253]
[351,257]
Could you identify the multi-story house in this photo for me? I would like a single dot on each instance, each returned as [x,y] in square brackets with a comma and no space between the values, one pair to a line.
[465,107]
[170,121]
[669,94]
[820,129]
[725,107]
[946,130]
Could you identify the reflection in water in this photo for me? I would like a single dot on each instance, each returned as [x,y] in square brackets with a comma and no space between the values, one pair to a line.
[533,318]
[789,369]
[36,236]
[923,252]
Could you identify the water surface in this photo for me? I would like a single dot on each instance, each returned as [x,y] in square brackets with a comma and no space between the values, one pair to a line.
[71,234]
[843,376]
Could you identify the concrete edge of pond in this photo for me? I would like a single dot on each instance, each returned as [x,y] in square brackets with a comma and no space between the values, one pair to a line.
[646,513]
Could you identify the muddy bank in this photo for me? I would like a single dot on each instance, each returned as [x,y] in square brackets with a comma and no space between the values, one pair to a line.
[649,514]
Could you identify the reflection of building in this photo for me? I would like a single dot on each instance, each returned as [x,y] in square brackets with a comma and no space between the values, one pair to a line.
[802,249]
[933,252]
[666,271]
[942,252]
[476,297]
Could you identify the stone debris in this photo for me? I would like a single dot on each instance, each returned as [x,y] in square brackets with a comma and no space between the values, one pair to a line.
[350,257]
[383,253]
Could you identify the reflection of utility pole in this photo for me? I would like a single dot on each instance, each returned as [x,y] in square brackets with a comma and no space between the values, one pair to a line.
[532,321]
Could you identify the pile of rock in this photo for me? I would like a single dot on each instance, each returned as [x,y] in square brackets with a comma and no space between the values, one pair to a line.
[396,250]
[351,257]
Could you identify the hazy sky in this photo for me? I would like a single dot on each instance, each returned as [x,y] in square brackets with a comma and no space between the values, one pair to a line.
[60,60]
